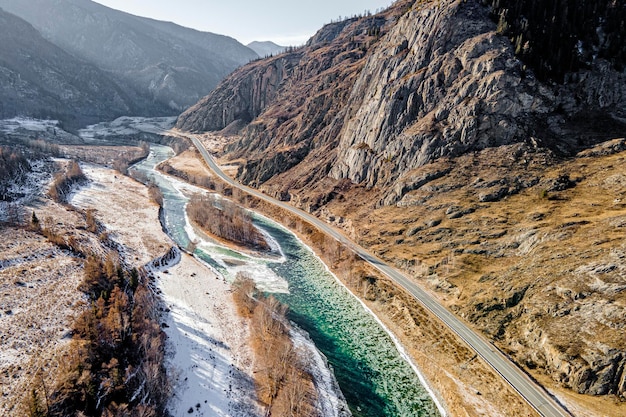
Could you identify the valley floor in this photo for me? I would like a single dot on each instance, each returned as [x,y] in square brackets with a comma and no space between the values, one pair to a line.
[38,297]
[212,361]
[210,356]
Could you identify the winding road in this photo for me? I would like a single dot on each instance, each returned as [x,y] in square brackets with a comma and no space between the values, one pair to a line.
[533,393]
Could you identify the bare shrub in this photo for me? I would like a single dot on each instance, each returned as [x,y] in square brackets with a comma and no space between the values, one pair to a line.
[63,182]
[226,220]
[244,294]
[199,180]
[155,194]
[43,147]
[282,380]
[123,161]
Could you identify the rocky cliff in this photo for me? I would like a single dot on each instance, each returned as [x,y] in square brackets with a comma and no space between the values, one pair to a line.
[292,105]
[395,91]
[419,123]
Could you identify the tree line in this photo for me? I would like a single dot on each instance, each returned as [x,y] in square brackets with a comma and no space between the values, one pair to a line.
[64,181]
[200,180]
[115,363]
[14,166]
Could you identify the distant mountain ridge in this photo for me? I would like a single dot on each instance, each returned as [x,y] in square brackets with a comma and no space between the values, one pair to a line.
[266,48]
[169,65]
[41,80]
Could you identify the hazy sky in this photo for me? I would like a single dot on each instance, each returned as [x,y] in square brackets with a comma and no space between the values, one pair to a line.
[286,22]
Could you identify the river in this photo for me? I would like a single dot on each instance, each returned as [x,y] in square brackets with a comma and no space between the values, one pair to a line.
[374,376]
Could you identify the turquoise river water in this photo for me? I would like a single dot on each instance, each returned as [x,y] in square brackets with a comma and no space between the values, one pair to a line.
[373,375]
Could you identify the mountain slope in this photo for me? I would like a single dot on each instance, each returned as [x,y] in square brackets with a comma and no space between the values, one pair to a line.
[172,65]
[439,82]
[293,104]
[41,80]
[424,135]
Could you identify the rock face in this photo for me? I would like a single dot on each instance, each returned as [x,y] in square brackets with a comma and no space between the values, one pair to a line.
[39,79]
[257,86]
[390,105]
[442,84]
[167,64]
[395,91]
[292,105]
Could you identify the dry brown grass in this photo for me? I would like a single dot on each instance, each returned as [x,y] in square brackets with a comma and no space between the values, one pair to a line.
[38,298]
[550,247]
[188,162]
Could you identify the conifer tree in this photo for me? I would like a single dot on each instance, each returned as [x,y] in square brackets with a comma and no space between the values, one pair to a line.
[34,222]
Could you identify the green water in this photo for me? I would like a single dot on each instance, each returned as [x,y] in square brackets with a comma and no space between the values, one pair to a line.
[372,374]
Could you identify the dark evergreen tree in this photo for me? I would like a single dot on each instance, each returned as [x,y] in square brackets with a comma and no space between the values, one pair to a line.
[34,222]
[556,37]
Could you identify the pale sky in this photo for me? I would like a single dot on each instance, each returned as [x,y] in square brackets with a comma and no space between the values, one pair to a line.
[286,22]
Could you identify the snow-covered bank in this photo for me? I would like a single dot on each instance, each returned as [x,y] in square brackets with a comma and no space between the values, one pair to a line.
[28,124]
[212,359]
[126,126]
[125,209]
[330,399]
[28,128]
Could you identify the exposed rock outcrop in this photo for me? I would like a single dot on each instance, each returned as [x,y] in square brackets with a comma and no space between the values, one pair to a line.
[294,103]
[583,361]
[395,91]
[441,83]
[257,87]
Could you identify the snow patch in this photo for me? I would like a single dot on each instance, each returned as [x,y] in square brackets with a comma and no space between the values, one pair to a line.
[127,126]
[330,401]
[211,357]
[34,125]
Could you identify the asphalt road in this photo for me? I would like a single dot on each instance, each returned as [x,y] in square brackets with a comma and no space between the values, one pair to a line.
[533,393]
